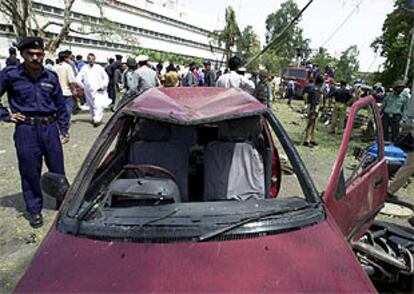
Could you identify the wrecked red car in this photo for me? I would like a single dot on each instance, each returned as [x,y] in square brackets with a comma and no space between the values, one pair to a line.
[183,191]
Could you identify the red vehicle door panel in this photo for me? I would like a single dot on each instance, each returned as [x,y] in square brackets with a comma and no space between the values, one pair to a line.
[353,205]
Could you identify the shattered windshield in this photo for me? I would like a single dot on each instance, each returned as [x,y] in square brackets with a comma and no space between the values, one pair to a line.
[211,176]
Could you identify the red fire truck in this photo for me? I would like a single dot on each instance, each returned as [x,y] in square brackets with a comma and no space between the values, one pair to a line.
[299,75]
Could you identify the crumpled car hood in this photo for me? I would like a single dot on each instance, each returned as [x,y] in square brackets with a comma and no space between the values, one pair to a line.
[313,259]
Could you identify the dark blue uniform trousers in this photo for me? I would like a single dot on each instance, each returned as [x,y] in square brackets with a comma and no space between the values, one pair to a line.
[33,144]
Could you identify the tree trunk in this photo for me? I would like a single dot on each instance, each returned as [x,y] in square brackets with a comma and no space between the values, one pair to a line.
[64,31]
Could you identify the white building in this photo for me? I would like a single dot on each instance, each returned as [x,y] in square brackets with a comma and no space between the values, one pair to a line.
[161,25]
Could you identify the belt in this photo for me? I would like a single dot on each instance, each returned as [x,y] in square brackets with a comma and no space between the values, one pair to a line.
[34,121]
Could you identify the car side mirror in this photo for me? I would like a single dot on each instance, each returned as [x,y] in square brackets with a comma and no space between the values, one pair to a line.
[55,186]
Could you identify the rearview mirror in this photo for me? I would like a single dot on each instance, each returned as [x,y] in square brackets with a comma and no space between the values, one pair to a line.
[55,186]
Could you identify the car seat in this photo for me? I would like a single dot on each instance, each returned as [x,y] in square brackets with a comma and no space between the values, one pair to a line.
[155,147]
[233,167]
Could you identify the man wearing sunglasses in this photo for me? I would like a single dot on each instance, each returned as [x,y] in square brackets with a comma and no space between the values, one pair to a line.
[37,108]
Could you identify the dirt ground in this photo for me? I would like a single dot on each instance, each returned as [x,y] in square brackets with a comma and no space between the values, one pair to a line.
[18,241]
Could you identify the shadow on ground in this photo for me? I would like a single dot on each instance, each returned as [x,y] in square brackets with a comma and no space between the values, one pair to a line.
[16,201]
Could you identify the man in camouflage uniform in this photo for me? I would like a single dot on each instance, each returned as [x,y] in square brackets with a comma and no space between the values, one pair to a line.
[393,107]
[263,91]
[341,98]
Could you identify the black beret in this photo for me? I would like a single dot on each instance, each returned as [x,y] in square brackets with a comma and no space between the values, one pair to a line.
[118,57]
[30,43]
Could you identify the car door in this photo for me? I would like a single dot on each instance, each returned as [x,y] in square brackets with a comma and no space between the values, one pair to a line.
[358,183]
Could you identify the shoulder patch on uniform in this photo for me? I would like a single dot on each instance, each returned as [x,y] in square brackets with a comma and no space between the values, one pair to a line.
[47,85]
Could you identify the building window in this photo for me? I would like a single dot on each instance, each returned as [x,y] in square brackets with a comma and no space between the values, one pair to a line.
[57,11]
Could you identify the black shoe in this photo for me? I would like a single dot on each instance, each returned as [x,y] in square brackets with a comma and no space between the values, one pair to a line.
[411,221]
[307,144]
[96,124]
[35,220]
[313,143]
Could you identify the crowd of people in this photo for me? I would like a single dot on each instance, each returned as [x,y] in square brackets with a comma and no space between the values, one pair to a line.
[330,103]
[110,85]
[43,94]
[46,93]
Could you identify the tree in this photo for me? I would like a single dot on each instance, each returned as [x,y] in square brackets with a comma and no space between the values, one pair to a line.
[248,45]
[394,42]
[159,56]
[348,64]
[285,49]
[322,58]
[272,62]
[228,35]
[20,14]
[25,23]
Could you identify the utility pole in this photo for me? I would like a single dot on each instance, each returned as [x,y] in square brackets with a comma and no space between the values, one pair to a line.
[412,88]
[410,53]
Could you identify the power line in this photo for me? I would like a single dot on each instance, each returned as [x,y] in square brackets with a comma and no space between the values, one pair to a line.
[342,24]
[278,36]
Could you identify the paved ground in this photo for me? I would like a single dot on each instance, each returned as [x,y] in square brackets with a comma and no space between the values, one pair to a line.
[18,242]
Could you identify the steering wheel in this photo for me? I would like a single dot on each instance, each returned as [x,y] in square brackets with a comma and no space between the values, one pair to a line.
[149,169]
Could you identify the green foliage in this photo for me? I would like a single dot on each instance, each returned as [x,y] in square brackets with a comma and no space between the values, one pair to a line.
[248,45]
[160,56]
[394,42]
[322,58]
[285,49]
[272,62]
[348,64]
[371,78]
[229,35]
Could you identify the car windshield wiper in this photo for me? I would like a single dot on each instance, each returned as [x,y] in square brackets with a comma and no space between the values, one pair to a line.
[162,217]
[215,233]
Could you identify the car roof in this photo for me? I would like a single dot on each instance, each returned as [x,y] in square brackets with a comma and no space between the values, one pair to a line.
[192,106]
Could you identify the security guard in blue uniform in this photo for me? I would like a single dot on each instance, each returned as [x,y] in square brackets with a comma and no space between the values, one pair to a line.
[37,107]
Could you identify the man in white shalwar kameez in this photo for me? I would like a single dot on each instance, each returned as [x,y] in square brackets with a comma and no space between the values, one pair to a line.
[95,82]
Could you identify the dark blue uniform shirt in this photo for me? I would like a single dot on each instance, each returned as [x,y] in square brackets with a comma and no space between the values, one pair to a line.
[41,97]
